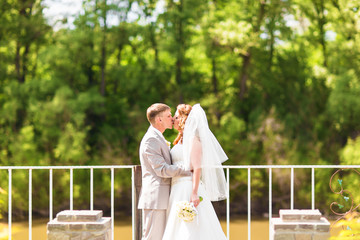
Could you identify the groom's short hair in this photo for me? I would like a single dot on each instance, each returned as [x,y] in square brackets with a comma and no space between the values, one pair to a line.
[155,110]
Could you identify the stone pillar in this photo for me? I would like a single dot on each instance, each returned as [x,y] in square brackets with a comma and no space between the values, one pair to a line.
[79,225]
[299,225]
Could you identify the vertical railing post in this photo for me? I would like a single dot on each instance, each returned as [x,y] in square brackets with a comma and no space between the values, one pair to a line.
[91,189]
[50,194]
[228,203]
[112,203]
[292,189]
[71,190]
[249,203]
[9,203]
[312,188]
[30,204]
[133,210]
[270,199]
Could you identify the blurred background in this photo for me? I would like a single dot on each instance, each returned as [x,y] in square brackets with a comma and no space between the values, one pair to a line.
[278,79]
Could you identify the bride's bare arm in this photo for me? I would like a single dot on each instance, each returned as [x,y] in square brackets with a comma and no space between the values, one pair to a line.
[195,156]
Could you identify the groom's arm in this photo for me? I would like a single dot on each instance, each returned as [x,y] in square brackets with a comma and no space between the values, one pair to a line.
[156,160]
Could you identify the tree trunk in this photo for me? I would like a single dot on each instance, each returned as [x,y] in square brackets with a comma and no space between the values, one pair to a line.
[214,81]
[247,57]
[213,77]
[180,41]
[24,62]
[272,41]
[244,75]
[25,12]
[17,61]
[178,78]
[103,66]
[103,51]
[321,19]
[154,44]
[119,56]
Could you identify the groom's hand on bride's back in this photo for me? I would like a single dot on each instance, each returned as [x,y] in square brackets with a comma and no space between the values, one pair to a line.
[186,172]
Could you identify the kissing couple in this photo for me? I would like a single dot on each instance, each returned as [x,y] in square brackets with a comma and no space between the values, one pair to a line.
[189,173]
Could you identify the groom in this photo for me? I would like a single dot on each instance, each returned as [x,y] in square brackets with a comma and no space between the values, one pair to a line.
[157,172]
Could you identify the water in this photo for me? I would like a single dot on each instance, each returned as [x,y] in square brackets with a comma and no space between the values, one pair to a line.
[238,230]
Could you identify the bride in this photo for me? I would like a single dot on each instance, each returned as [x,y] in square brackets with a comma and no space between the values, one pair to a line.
[196,148]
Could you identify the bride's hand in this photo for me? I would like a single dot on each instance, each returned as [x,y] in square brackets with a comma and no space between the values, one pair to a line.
[195,199]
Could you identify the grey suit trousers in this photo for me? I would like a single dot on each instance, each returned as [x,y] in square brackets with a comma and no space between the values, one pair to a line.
[153,231]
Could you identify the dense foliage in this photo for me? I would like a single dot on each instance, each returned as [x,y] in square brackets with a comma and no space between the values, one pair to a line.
[279,80]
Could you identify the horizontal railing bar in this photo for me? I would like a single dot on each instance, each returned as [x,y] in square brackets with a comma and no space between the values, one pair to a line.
[287,166]
[224,166]
[67,167]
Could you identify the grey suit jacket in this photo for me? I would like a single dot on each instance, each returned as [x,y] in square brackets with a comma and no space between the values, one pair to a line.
[157,171]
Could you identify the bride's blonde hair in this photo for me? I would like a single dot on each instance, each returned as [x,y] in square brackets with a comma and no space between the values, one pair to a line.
[184,111]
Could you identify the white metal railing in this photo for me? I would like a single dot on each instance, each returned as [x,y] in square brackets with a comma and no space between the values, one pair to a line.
[112,168]
[70,168]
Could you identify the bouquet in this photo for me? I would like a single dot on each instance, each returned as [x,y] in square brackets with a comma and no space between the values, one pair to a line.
[186,210]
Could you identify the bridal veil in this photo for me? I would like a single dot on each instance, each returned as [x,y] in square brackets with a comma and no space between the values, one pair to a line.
[212,173]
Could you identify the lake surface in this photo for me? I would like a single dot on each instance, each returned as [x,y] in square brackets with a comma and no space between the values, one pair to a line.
[238,230]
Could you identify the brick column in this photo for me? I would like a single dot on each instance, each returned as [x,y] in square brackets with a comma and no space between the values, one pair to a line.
[299,225]
[79,225]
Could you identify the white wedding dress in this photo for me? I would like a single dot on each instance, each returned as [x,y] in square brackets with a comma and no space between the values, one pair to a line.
[206,225]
